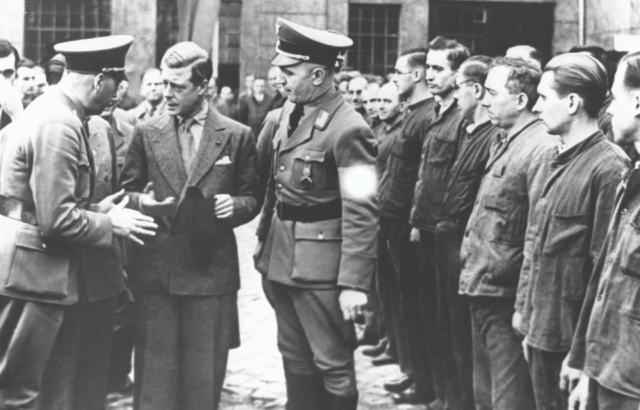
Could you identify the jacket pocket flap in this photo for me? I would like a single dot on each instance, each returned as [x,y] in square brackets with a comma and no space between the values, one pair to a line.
[311,155]
[330,230]
[495,202]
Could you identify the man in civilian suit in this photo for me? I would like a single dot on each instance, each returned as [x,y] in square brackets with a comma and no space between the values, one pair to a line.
[185,281]
[10,98]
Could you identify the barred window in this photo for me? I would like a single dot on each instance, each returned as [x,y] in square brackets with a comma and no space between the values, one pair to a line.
[51,21]
[375,30]
[167,27]
[230,20]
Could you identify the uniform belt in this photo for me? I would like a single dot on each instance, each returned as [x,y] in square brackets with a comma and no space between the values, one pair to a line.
[309,213]
[14,209]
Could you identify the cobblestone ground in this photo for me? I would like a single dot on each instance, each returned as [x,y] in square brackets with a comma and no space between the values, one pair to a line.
[255,378]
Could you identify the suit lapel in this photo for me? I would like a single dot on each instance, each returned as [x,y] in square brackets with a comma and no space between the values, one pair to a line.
[164,143]
[214,138]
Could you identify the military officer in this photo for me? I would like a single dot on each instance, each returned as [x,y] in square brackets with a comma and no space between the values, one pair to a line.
[318,252]
[59,260]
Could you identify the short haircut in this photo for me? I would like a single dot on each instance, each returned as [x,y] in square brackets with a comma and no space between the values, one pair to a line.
[631,79]
[416,57]
[533,52]
[476,68]
[523,77]
[187,54]
[6,49]
[258,78]
[25,62]
[147,71]
[596,52]
[580,74]
[456,52]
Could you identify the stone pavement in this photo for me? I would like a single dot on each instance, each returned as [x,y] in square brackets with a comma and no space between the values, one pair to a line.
[255,378]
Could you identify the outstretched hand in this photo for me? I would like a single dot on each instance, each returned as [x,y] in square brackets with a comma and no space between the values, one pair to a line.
[150,206]
[128,223]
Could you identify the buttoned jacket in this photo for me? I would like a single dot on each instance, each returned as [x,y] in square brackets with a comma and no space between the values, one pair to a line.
[48,166]
[493,244]
[225,163]
[335,148]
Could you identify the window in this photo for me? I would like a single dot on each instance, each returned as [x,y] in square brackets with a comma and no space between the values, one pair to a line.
[375,30]
[230,17]
[490,28]
[51,21]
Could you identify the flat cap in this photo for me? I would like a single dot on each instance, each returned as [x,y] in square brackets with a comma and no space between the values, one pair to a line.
[96,55]
[297,44]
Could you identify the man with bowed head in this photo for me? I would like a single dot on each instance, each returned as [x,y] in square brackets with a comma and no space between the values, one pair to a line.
[320,222]
[61,269]
[185,281]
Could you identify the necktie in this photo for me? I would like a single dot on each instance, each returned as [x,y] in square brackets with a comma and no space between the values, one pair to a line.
[187,144]
[294,118]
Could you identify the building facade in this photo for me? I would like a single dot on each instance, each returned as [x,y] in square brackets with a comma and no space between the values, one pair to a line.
[244,32]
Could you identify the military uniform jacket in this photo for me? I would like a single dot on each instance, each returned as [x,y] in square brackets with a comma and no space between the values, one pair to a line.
[225,163]
[334,147]
[48,166]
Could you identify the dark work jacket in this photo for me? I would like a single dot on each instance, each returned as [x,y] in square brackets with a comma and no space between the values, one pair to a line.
[398,182]
[440,149]
[493,245]
[605,344]
[252,112]
[385,134]
[564,238]
[467,172]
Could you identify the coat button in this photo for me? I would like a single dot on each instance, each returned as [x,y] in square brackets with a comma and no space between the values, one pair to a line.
[320,236]
[44,246]
[624,211]
[218,142]
[281,168]
[307,158]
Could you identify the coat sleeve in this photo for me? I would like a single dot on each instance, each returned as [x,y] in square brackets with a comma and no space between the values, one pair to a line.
[245,183]
[134,176]
[355,153]
[57,174]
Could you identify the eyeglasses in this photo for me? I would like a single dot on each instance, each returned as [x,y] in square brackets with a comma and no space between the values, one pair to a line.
[8,73]
[396,72]
[456,86]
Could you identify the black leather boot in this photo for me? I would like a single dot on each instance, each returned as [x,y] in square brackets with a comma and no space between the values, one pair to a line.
[305,392]
[342,402]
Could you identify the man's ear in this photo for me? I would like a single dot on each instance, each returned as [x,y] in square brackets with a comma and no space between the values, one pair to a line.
[417,74]
[478,91]
[202,87]
[574,103]
[98,81]
[318,74]
[522,101]
[636,102]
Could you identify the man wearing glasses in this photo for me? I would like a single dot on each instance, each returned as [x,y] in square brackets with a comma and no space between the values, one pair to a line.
[10,99]
[395,194]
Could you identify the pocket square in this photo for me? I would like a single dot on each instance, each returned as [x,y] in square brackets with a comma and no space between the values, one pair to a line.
[224,160]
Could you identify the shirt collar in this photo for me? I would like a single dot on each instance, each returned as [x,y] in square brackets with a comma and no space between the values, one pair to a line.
[419,104]
[200,117]
[397,120]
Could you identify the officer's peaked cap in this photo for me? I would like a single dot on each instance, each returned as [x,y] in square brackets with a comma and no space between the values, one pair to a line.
[297,44]
[96,55]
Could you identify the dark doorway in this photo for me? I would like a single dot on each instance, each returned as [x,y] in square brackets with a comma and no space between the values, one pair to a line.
[490,28]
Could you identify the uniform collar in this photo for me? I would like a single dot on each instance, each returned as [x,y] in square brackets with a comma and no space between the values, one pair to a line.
[74,103]
[566,155]
[419,104]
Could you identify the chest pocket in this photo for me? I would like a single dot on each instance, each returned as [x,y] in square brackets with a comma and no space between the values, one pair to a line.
[568,236]
[309,170]
[83,187]
[630,254]
[509,208]
[442,150]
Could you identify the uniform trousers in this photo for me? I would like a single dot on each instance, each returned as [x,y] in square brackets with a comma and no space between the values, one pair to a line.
[390,297]
[601,398]
[181,349]
[545,370]
[54,357]
[442,364]
[454,316]
[313,336]
[500,372]
[405,256]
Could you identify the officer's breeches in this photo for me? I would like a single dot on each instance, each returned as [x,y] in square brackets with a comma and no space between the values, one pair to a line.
[313,335]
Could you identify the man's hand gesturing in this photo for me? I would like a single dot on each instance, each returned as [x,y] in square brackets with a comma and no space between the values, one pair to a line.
[128,223]
[150,206]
